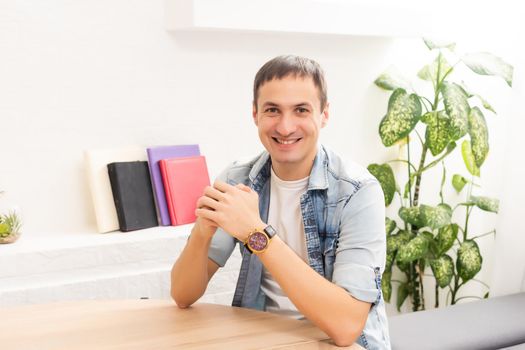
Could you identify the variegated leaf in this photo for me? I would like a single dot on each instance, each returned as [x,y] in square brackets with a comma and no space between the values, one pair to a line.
[386,285]
[391,79]
[458,182]
[403,113]
[437,134]
[445,238]
[430,71]
[384,174]
[487,64]
[410,215]
[486,104]
[457,107]
[479,135]
[469,260]
[390,226]
[435,217]
[443,270]
[413,250]
[439,44]
[468,158]
[486,203]
[402,294]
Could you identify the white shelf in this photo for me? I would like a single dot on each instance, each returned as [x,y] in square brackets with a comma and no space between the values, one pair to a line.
[77,266]
[404,18]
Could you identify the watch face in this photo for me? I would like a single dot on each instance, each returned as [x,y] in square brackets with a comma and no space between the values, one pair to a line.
[257,241]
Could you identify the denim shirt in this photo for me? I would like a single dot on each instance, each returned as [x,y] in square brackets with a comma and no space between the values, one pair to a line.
[343,215]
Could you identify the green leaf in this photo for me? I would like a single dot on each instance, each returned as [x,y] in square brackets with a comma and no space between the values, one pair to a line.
[413,250]
[469,260]
[390,226]
[430,71]
[484,102]
[384,174]
[458,182]
[386,285]
[4,228]
[468,158]
[456,105]
[486,105]
[403,113]
[391,79]
[443,270]
[410,215]
[479,135]
[439,44]
[437,134]
[486,203]
[435,217]
[402,294]
[485,63]
[445,238]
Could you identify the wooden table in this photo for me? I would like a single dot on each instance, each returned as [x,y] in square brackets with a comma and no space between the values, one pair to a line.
[152,324]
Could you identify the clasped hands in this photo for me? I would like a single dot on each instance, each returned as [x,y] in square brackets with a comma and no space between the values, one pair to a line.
[235,209]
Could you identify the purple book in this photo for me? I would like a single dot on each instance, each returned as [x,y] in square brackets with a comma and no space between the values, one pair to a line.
[165,152]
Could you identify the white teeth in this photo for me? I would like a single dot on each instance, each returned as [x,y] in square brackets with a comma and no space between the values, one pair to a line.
[287,142]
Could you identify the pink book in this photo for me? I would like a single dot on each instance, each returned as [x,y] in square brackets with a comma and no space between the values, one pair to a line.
[184,182]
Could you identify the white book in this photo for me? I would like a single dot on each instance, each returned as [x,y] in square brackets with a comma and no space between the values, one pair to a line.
[96,161]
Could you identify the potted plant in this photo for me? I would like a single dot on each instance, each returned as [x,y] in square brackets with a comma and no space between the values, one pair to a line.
[435,238]
[10,224]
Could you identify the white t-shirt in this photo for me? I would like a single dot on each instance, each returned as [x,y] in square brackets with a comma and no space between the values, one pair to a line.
[285,217]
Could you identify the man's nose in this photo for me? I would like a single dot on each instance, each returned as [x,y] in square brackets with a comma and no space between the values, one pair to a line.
[286,125]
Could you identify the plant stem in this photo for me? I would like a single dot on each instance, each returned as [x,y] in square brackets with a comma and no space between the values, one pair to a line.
[418,178]
[482,235]
[483,283]
[409,176]
[421,288]
[468,297]
[436,296]
[443,179]
[403,161]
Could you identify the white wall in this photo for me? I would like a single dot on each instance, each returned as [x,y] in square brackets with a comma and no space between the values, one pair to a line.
[80,75]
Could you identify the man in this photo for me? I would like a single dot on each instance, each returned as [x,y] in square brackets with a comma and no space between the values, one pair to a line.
[311,230]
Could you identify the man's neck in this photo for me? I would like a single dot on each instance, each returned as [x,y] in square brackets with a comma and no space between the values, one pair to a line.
[291,172]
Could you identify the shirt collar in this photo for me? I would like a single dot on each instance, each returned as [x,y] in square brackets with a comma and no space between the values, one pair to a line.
[318,175]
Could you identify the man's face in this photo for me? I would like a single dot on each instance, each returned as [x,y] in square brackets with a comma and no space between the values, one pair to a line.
[289,119]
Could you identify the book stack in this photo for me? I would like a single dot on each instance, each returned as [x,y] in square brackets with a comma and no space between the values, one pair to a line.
[133,189]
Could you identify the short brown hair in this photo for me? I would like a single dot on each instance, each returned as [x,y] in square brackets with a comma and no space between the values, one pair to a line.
[283,66]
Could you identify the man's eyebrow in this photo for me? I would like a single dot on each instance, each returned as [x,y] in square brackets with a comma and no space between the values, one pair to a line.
[302,104]
[269,103]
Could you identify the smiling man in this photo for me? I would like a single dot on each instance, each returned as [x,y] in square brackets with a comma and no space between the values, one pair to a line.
[310,227]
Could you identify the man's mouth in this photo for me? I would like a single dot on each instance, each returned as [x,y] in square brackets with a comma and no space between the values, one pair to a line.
[285,141]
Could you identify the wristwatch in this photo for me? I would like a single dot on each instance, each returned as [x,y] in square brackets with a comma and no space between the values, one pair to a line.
[258,240]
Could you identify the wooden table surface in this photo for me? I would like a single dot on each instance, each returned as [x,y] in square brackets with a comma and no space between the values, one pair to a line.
[152,324]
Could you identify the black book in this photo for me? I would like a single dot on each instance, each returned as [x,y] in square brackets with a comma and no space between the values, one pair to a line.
[133,196]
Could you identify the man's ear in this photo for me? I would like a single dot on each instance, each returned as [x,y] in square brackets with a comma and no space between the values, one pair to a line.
[254,113]
[325,116]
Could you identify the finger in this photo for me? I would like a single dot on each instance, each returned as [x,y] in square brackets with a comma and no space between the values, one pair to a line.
[207,202]
[213,193]
[222,186]
[207,214]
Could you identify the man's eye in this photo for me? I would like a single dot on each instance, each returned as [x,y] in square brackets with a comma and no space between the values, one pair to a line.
[271,110]
[302,110]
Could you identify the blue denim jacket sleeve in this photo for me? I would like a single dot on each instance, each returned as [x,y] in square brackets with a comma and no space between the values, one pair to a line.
[361,249]
[222,244]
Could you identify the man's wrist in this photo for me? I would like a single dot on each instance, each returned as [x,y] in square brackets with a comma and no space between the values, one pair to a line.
[197,235]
